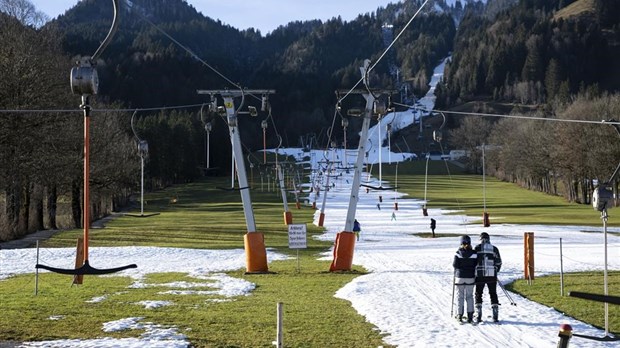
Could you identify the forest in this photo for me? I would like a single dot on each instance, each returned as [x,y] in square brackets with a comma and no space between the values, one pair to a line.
[539,58]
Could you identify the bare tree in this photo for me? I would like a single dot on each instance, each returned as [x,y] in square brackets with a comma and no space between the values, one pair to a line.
[24,11]
[470,136]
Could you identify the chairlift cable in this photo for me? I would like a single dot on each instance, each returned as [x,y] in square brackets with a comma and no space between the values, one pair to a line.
[191,53]
[462,113]
[385,51]
[32,111]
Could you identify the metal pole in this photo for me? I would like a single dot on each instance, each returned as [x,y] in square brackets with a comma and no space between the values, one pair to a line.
[141,185]
[237,152]
[329,168]
[36,273]
[232,171]
[484,186]
[208,149]
[357,174]
[86,218]
[280,335]
[380,150]
[561,270]
[453,286]
[604,217]
[282,188]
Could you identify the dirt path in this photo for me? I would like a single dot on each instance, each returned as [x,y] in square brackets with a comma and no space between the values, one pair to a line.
[30,240]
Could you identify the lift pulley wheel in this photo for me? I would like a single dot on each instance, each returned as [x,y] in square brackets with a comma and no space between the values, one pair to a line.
[84,80]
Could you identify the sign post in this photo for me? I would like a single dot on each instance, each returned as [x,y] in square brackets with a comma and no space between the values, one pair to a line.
[297,238]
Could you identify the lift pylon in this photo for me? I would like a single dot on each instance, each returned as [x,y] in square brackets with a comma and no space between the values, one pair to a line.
[345,240]
[254,242]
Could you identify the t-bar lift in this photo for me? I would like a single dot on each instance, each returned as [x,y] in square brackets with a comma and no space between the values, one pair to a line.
[254,242]
[345,240]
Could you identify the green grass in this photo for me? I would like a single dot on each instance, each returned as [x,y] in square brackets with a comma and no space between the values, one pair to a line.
[207,217]
[313,317]
[505,202]
[547,290]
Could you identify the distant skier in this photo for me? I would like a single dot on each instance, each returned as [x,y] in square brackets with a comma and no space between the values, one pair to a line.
[464,264]
[489,262]
[393,216]
[433,225]
[357,229]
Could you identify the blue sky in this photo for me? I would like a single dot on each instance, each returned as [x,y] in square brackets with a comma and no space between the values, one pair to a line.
[265,15]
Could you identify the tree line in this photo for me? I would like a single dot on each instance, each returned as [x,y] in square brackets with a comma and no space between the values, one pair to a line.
[549,154]
[305,62]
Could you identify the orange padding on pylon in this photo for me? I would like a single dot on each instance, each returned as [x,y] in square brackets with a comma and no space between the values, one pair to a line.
[321,219]
[255,252]
[288,218]
[343,252]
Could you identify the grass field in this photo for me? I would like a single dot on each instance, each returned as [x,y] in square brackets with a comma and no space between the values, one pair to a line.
[207,217]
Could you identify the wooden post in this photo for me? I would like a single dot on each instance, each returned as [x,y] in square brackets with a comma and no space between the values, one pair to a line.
[280,336]
[528,253]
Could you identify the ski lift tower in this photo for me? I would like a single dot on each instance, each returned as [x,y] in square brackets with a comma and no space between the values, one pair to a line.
[602,200]
[254,243]
[345,240]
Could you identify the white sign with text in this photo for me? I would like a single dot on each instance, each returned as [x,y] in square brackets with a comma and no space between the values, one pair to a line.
[297,236]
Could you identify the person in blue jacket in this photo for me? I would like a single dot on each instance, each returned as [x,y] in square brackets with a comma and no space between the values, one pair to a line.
[464,264]
[357,229]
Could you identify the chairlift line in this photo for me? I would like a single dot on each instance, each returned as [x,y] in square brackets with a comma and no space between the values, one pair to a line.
[462,113]
[369,67]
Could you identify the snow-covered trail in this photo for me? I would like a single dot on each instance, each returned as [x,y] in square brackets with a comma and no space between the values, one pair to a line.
[408,293]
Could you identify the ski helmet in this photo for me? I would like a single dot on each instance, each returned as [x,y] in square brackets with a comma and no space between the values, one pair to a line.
[485,237]
[465,240]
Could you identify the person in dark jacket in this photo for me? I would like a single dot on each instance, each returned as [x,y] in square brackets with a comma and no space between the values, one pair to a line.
[464,264]
[357,229]
[488,265]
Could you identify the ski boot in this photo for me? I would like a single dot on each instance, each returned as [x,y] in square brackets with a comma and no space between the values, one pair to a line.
[459,317]
[495,308]
[478,312]
[470,317]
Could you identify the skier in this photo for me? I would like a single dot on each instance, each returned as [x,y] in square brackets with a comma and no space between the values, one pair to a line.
[489,262]
[433,225]
[464,264]
[357,229]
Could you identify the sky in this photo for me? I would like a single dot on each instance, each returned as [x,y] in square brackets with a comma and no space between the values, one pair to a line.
[407,293]
[265,15]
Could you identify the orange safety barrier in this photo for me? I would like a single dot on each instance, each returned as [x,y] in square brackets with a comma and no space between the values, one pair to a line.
[343,252]
[288,218]
[313,205]
[321,219]
[298,205]
[485,219]
[255,253]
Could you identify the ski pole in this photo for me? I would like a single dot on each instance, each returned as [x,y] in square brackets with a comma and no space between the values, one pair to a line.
[506,293]
[453,286]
